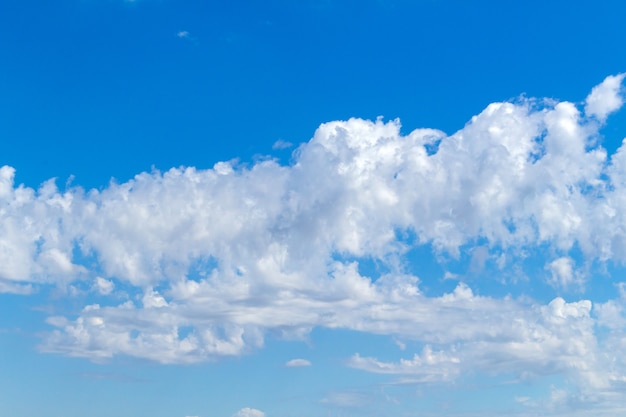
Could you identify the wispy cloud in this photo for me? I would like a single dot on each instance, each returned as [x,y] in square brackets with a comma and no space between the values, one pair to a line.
[346,399]
[281,144]
[296,363]
[186,35]
[430,365]
[249,412]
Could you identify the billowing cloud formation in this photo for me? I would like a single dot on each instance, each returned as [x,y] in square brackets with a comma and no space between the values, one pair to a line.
[212,260]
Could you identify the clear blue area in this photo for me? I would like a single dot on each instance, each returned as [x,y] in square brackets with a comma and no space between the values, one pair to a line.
[101,89]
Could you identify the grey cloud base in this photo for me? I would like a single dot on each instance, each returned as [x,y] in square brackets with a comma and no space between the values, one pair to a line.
[225,255]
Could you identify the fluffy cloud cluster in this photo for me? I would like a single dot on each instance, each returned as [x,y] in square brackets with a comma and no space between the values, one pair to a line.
[221,257]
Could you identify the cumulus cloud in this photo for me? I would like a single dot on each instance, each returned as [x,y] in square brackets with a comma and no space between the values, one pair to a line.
[103,286]
[611,312]
[563,272]
[606,97]
[219,257]
[249,412]
[296,363]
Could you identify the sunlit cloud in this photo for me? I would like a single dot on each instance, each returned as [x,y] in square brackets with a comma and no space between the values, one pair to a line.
[217,259]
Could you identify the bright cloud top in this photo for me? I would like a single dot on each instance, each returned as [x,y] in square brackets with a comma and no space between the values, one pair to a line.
[193,265]
[606,97]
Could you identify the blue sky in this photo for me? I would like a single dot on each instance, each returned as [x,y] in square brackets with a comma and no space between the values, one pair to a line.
[312,208]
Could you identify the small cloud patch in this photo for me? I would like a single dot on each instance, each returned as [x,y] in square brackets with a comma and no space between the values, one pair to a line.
[249,412]
[297,363]
[282,144]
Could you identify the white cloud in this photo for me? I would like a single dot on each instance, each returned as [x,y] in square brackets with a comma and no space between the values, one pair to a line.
[103,286]
[6,182]
[281,144]
[563,273]
[296,363]
[495,337]
[611,313]
[222,256]
[430,366]
[153,299]
[186,35]
[249,412]
[10,287]
[606,97]
[514,175]
[401,345]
